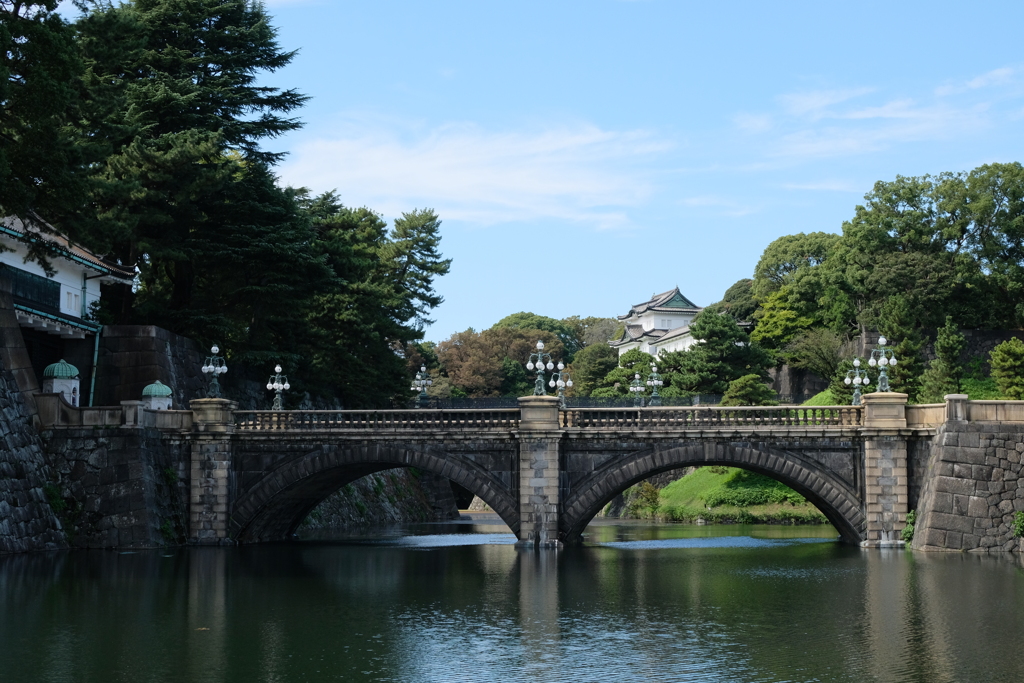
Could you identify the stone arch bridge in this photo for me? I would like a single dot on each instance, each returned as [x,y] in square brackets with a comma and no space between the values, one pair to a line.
[547,472]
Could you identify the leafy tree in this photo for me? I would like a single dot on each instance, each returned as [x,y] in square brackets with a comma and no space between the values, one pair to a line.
[40,154]
[749,390]
[1007,361]
[787,259]
[411,261]
[531,321]
[617,381]
[897,322]
[739,301]
[177,98]
[484,363]
[778,324]
[592,330]
[723,353]
[944,374]
[818,350]
[590,366]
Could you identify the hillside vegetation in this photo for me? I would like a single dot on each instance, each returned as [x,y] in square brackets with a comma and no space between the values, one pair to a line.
[722,495]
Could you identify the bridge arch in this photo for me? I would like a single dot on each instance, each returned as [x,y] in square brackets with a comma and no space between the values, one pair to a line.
[834,498]
[272,507]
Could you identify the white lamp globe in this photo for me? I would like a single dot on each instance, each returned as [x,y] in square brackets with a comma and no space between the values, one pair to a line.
[883,361]
[214,349]
[561,365]
[857,381]
[872,362]
[269,386]
[222,369]
[277,368]
[568,383]
[551,366]
[540,345]
[867,381]
[287,386]
[551,383]
[856,362]
[529,366]
[882,341]
[847,380]
[892,361]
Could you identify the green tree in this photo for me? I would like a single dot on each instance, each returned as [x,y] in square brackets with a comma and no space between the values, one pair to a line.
[1007,361]
[616,382]
[531,321]
[788,258]
[819,350]
[749,390]
[40,154]
[944,374]
[590,366]
[738,301]
[723,353]
[778,324]
[411,261]
[177,101]
[592,330]
[898,323]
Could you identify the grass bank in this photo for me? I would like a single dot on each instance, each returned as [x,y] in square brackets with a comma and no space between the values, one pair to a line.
[722,495]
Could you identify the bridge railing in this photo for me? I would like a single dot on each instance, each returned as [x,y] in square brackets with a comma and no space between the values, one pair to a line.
[381,420]
[712,417]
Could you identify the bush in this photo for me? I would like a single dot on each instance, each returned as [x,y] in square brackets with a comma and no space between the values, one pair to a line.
[908,531]
[749,390]
[1007,362]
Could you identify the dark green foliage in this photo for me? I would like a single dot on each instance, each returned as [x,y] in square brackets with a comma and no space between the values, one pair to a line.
[1007,360]
[590,366]
[749,390]
[515,381]
[944,374]
[725,353]
[617,381]
[899,322]
[568,334]
[739,301]
[40,153]
[818,350]
[1018,524]
[907,534]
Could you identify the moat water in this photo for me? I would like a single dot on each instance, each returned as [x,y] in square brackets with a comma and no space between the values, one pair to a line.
[459,603]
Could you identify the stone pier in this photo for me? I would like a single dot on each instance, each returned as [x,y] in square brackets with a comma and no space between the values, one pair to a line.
[209,495]
[539,472]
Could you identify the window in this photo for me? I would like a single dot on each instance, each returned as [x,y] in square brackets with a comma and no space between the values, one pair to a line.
[69,302]
[77,303]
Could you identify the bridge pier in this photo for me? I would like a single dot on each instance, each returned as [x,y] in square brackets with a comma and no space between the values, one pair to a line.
[886,488]
[539,472]
[209,494]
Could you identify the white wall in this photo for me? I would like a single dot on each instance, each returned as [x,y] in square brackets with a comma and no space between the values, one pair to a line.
[69,275]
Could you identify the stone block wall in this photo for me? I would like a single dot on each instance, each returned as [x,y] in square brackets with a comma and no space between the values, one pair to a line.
[121,487]
[973,489]
[27,521]
[133,356]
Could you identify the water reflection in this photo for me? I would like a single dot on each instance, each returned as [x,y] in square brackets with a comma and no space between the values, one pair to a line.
[639,602]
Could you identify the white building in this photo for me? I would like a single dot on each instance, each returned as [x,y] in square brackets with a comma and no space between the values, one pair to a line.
[54,310]
[659,324]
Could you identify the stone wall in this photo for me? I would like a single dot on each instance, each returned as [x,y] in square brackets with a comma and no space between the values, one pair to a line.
[132,356]
[27,521]
[123,488]
[973,488]
[395,496]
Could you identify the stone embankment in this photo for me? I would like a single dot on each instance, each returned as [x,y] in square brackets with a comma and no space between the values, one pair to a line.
[974,488]
[27,522]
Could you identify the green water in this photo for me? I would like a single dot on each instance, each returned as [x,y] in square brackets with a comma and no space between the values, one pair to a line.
[459,603]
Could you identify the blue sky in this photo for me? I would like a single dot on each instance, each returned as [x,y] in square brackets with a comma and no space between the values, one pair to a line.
[583,155]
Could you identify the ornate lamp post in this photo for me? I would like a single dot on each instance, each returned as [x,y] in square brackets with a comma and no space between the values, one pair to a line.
[279,384]
[638,389]
[420,384]
[654,381]
[540,360]
[561,380]
[882,356]
[857,377]
[214,367]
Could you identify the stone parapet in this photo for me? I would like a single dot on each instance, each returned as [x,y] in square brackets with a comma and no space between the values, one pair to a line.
[885,410]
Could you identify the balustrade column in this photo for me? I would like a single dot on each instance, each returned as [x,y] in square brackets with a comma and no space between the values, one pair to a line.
[539,471]
[209,500]
[885,467]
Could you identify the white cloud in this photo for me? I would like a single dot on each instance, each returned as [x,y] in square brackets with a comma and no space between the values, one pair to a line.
[1002,76]
[814,103]
[574,172]
[826,186]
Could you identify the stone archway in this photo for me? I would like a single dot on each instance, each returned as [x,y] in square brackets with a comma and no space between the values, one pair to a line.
[272,507]
[834,498]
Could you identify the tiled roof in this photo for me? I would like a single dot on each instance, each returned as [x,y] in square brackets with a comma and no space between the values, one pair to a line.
[672,300]
[63,247]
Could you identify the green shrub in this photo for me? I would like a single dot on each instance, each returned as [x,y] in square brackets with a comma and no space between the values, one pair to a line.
[1018,524]
[1007,362]
[749,390]
[908,531]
